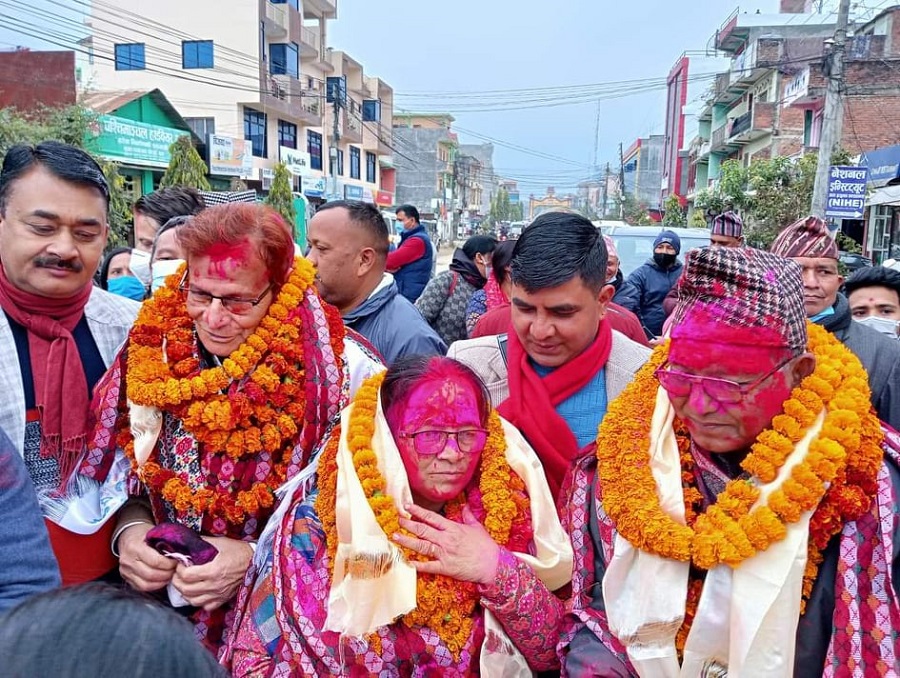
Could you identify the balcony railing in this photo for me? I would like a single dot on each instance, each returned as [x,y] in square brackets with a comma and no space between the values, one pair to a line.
[277,20]
[741,123]
[310,37]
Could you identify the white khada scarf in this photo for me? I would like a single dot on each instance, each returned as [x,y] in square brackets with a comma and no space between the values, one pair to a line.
[746,620]
[357,606]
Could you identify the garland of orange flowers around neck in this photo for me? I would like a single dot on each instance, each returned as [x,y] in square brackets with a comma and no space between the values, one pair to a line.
[837,478]
[443,604]
[262,414]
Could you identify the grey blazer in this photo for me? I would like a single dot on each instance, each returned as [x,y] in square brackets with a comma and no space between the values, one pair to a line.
[483,355]
[109,318]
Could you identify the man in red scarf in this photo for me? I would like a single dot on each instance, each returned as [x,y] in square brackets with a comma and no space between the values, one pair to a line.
[555,374]
[58,333]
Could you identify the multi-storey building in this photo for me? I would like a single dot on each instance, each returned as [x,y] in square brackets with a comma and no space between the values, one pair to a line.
[745,114]
[642,166]
[425,159]
[252,80]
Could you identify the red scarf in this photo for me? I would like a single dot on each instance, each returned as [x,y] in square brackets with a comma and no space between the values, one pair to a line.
[531,406]
[60,387]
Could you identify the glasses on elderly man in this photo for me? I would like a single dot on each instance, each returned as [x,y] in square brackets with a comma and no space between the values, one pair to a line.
[235,305]
[679,384]
[430,443]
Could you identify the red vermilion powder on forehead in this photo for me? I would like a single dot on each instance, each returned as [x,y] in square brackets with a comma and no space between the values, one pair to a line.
[224,258]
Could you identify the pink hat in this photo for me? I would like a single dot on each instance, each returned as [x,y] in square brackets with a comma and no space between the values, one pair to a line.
[610,247]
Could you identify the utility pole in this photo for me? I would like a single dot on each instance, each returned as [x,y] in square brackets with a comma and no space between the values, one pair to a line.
[596,163]
[621,183]
[605,193]
[833,117]
[335,140]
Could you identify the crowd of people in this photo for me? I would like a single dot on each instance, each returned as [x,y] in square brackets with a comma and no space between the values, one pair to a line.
[226,453]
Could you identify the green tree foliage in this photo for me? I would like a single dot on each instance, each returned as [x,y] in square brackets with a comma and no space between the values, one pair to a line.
[674,214]
[517,212]
[281,197]
[186,168]
[72,125]
[633,213]
[120,201]
[501,209]
[770,194]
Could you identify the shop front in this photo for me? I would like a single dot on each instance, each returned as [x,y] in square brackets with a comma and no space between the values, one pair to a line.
[135,130]
[881,240]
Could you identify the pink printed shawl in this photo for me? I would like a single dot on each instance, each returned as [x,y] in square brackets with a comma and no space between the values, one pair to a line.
[327,393]
[865,639]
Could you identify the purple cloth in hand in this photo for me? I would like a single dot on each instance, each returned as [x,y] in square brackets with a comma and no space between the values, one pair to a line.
[177,540]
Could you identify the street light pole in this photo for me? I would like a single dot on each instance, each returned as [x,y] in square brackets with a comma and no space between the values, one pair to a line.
[833,117]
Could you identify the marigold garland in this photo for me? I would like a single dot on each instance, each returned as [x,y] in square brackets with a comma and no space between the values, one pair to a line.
[443,604]
[838,477]
[264,413]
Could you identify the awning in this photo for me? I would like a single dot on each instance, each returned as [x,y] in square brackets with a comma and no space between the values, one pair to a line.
[887,195]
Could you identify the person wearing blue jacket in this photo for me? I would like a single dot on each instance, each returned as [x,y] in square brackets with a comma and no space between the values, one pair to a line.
[646,288]
[348,245]
[27,563]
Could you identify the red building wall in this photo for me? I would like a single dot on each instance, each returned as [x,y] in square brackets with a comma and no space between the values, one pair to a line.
[29,80]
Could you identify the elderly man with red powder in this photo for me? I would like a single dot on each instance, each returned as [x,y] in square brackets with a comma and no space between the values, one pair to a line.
[743,517]
[232,374]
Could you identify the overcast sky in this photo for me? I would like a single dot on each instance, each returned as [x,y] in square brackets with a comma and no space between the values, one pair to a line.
[431,52]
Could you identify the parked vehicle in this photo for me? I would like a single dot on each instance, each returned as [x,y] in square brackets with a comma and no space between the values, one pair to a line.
[854,261]
[635,243]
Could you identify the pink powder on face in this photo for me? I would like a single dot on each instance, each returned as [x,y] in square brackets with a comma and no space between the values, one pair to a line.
[225,258]
[442,404]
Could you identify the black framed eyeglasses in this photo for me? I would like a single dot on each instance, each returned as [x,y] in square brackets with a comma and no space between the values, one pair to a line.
[235,305]
[679,384]
[430,443]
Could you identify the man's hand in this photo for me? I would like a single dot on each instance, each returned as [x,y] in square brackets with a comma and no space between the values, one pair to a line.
[212,585]
[141,566]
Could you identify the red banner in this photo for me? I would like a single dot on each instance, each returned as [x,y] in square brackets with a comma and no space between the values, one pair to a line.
[384,198]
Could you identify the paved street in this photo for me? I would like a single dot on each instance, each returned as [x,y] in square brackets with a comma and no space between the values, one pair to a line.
[445,256]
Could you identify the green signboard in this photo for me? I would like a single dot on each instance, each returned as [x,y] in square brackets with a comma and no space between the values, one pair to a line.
[132,142]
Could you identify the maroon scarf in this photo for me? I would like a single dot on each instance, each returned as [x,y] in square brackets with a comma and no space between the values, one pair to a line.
[60,387]
[531,406]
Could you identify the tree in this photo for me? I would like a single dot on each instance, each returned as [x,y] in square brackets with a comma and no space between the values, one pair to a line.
[120,215]
[186,167]
[517,212]
[72,125]
[501,210]
[770,194]
[634,213]
[674,214]
[281,197]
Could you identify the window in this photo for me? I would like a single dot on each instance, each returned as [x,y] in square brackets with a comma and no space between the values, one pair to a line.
[340,164]
[371,110]
[354,163]
[130,57]
[371,172]
[255,131]
[197,54]
[202,127]
[314,148]
[285,59]
[287,134]
[293,3]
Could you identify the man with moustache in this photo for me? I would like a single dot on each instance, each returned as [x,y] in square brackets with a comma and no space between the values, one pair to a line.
[58,333]
[809,243]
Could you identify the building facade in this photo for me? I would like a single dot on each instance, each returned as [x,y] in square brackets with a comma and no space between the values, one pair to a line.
[33,79]
[642,168]
[259,87]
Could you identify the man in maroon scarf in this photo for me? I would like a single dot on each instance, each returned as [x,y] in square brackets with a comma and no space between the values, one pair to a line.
[554,376]
[58,333]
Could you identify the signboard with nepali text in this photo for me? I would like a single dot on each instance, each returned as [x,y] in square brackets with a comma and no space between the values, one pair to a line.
[846,192]
[230,157]
[132,142]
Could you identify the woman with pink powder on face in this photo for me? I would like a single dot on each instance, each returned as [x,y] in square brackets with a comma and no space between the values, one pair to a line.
[332,592]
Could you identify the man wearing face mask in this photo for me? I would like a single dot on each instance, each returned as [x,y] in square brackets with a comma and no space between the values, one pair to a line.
[874,296]
[151,212]
[167,255]
[646,288]
[809,243]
